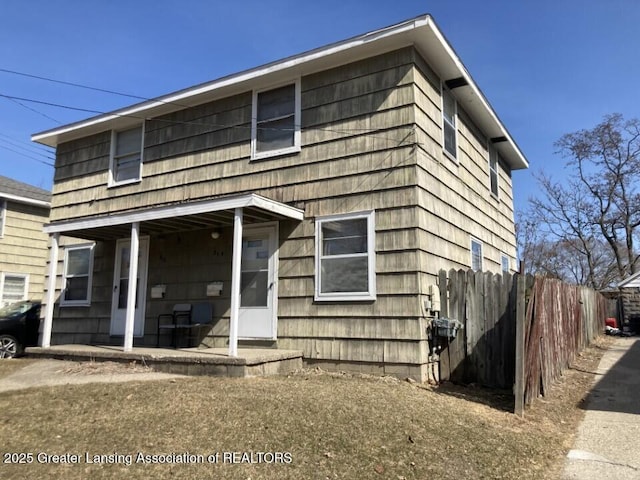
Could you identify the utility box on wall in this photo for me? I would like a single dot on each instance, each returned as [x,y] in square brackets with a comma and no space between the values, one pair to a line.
[214,289]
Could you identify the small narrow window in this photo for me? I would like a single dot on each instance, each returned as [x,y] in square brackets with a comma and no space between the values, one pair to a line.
[3,215]
[13,288]
[493,171]
[476,254]
[126,156]
[78,267]
[505,263]
[449,114]
[345,257]
[276,121]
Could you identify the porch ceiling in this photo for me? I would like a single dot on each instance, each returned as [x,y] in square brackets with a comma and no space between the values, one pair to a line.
[211,214]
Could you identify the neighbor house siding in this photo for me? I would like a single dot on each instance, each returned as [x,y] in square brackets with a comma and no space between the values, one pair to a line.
[23,247]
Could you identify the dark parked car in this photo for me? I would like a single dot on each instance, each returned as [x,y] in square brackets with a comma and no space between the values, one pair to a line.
[19,323]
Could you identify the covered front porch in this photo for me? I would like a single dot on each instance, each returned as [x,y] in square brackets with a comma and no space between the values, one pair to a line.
[248,362]
[222,251]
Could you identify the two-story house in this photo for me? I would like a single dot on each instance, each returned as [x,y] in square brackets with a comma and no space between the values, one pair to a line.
[312,201]
[24,209]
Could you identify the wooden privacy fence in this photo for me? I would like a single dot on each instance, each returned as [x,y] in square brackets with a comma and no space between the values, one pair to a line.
[557,321]
[560,321]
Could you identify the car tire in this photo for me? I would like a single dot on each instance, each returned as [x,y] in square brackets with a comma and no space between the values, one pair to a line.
[9,346]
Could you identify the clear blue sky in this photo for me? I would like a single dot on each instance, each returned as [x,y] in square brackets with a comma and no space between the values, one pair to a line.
[547,67]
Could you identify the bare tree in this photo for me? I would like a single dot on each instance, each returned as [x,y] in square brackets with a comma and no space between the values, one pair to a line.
[596,212]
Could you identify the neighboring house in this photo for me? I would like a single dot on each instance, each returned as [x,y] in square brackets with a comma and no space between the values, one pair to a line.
[628,302]
[312,201]
[24,209]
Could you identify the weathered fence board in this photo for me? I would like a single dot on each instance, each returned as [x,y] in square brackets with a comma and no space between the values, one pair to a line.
[559,320]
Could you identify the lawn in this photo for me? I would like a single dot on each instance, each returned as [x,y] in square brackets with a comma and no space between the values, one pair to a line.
[308,425]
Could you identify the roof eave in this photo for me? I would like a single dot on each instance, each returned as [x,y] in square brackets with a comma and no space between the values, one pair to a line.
[25,200]
[420,31]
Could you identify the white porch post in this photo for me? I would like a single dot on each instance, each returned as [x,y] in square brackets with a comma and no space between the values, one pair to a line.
[51,291]
[235,282]
[133,287]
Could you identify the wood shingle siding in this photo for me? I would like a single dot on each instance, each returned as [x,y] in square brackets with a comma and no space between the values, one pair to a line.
[371,140]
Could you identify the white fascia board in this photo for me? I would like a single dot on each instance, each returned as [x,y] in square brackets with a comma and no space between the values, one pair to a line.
[171,211]
[171,102]
[420,31]
[630,282]
[474,95]
[29,201]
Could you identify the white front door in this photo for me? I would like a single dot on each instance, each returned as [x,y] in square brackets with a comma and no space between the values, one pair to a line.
[121,287]
[258,283]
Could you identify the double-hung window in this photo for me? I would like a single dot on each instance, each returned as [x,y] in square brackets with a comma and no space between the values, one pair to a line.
[476,254]
[493,171]
[449,119]
[276,121]
[505,263]
[126,156]
[345,257]
[78,268]
[13,288]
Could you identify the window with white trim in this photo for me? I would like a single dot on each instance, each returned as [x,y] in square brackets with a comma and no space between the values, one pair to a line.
[276,121]
[505,263]
[476,254]
[13,288]
[126,156]
[449,120]
[345,257]
[78,272]
[3,215]
[493,171]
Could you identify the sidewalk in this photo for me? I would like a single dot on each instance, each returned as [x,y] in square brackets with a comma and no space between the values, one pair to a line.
[607,445]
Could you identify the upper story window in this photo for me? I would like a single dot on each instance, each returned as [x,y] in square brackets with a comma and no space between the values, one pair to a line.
[493,171]
[78,268]
[345,257]
[476,254]
[3,215]
[126,156]
[276,121]
[449,120]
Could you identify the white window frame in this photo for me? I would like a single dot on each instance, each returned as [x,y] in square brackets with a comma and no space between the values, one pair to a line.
[494,157]
[504,259]
[368,295]
[446,123]
[3,215]
[112,157]
[84,302]
[9,274]
[477,242]
[255,154]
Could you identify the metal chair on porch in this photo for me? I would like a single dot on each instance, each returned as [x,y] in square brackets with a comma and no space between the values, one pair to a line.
[188,318]
[179,318]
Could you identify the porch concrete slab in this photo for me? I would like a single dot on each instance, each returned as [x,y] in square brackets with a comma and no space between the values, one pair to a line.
[185,361]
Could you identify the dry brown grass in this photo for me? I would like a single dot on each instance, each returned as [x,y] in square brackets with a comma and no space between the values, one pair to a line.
[334,426]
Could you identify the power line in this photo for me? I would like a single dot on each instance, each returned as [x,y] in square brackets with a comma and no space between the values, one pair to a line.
[72,84]
[33,110]
[15,145]
[28,156]
[366,131]
[36,147]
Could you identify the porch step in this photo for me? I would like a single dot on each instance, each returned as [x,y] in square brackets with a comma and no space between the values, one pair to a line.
[250,362]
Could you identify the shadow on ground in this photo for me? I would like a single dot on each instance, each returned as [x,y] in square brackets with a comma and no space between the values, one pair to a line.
[619,389]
